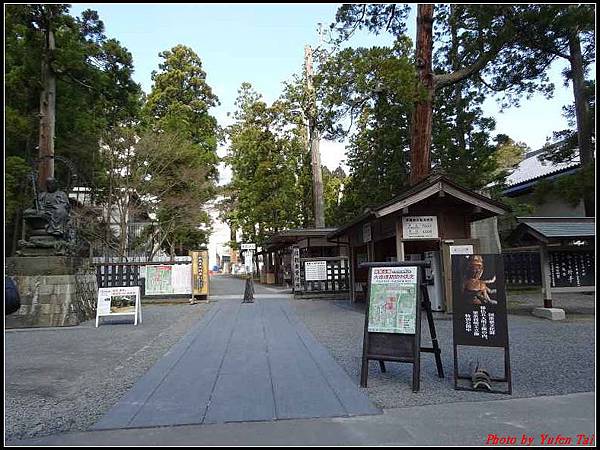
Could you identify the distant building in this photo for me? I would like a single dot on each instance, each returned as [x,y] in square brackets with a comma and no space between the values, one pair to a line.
[530,172]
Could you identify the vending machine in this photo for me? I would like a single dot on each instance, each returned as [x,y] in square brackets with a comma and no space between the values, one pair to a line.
[434,280]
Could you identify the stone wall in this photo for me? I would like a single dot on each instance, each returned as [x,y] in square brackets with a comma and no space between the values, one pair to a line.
[54,291]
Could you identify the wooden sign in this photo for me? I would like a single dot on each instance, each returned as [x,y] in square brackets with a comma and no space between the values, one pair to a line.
[479,317]
[119,301]
[393,319]
[200,280]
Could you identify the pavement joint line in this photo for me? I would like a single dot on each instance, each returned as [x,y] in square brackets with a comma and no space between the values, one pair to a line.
[167,372]
[237,312]
[319,368]
[262,318]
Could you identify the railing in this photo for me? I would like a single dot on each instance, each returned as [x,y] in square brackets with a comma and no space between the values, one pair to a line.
[334,279]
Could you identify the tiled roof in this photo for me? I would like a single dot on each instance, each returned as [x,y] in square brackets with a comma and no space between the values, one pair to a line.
[531,168]
[561,226]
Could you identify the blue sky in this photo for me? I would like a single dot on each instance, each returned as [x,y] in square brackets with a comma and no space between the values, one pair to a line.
[264,45]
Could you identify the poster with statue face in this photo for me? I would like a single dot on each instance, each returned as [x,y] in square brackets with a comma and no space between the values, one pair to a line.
[478,290]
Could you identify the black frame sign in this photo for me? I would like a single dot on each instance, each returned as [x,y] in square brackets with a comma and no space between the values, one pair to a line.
[393,318]
[480,317]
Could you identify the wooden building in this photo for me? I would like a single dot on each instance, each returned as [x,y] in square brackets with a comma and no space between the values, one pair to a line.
[275,255]
[566,246]
[432,216]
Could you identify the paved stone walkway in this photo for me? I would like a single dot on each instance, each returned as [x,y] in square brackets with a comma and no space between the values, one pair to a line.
[240,363]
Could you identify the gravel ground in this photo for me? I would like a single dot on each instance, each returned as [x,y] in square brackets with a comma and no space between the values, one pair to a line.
[65,379]
[547,358]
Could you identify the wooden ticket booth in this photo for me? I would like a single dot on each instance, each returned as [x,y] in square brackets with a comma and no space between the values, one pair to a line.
[430,221]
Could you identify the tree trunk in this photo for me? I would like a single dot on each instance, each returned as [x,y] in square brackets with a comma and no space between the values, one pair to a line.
[47,114]
[421,123]
[314,139]
[584,128]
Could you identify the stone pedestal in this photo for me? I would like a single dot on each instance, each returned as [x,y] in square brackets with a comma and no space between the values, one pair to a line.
[54,290]
[549,313]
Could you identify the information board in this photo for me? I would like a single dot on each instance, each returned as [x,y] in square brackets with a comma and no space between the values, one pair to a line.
[480,316]
[119,301]
[158,280]
[479,300]
[419,227]
[315,270]
[572,268]
[393,321]
[393,300]
[199,275]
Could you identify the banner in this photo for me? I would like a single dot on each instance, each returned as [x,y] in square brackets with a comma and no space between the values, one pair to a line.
[393,300]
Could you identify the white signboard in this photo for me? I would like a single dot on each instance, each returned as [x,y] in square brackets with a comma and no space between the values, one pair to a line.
[181,279]
[366,232]
[315,270]
[119,301]
[248,246]
[461,249]
[419,227]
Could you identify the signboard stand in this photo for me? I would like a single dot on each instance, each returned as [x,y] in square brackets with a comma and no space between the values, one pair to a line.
[402,344]
[117,301]
[200,277]
[479,318]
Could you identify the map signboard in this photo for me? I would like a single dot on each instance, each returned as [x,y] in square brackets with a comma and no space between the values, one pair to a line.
[158,280]
[393,300]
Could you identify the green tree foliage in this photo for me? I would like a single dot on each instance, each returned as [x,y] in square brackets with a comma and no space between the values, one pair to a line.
[367,92]
[94,91]
[94,85]
[266,156]
[334,183]
[179,105]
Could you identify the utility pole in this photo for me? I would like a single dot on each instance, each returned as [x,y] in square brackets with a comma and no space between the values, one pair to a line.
[313,143]
[47,109]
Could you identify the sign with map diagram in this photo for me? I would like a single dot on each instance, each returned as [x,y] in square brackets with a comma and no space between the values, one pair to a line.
[158,280]
[393,300]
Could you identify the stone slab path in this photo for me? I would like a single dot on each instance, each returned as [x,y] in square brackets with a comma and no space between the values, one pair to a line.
[241,363]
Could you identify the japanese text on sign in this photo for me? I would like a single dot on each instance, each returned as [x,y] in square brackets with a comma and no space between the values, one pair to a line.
[393,300]
[419,227]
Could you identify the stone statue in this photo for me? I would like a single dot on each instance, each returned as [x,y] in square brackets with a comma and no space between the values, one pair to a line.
[50,231]
[55,206]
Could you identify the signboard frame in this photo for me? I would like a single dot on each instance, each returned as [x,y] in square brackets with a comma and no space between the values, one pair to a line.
[396,347]
[499,311]
[122,291]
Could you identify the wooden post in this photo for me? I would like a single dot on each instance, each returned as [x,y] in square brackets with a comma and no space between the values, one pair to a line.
[421,123]
[546,282]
